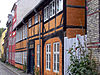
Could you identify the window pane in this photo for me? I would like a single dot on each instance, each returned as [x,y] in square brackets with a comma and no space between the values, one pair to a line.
[49,57]
[58,47]
[54,58]
[53,7]
[44,14]
[47,12]
[57,5]
[54,47]
[37,59]
[50,9]
[30,22]
[49,65]
[54,66]
[49,48]
[57,66]
[57,57]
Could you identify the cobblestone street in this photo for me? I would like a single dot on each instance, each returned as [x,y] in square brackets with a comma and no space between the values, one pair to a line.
[5,71]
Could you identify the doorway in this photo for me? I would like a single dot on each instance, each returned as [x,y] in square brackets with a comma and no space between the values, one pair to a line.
[31,56]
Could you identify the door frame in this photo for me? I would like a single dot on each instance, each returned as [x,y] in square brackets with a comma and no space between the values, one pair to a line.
[31,46]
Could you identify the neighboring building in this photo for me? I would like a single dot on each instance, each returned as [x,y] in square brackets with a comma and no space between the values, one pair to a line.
[9,30]
[0,48]
[12,35]
[2,44]
[58,19]
[93,29]
[6,47]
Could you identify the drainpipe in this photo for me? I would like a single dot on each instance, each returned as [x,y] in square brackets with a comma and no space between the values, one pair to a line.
[39,37]
[26,44]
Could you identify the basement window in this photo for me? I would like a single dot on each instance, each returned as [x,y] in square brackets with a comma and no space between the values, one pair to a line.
[56,57]
[48,56]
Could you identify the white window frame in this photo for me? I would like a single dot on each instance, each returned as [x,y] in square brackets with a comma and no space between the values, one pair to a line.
[48,53]
[25,57]
[52,8]
[46,13]
[60,6]
[23,31]
[30,22]
[56,53]
[38,56]
[36,17]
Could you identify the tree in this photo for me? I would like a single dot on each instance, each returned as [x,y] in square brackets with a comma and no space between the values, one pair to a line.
[1,30]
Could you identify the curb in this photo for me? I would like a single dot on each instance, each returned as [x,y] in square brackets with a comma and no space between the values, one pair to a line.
[9,68]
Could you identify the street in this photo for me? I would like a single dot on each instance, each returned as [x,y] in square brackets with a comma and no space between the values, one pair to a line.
[5,71]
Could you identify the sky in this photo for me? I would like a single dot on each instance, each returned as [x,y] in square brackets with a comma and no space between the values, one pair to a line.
[5,9]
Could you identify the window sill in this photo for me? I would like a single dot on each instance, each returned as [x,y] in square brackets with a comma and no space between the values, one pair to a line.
[55,71]
[38,66]
[47,69]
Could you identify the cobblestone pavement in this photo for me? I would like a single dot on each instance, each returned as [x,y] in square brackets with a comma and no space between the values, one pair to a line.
[5,71]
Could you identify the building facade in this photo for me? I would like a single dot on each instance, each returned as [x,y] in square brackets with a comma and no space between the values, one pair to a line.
[6,47]
[2,45]
[12,35]
[0,48]
[40,35]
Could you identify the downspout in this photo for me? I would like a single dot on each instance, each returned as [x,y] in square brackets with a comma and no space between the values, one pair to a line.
[39,37]
[26,45]
[39,29]
[64,29]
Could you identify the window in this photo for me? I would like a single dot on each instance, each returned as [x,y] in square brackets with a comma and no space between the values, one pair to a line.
[18,57]
[46,13]
[36,18]
[24,31]
[48,56]
[52,8]
[25,57]
[19,34]
[38,56]
[59,5]
[20,30]
[56,57]
[10,41]
[30,22]
[49,10]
